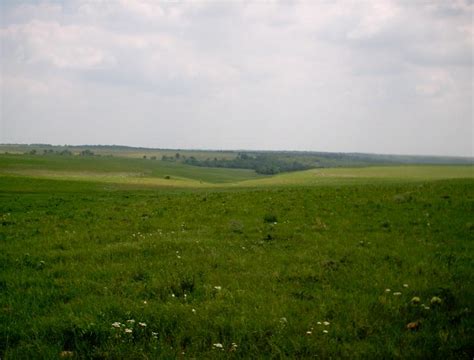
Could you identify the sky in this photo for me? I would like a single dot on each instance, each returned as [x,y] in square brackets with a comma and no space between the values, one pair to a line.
[341,76]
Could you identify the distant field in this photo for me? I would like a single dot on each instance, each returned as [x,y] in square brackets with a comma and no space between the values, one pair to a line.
[104,258]
[120,170]
[367,174]
[154,172]
[136,153]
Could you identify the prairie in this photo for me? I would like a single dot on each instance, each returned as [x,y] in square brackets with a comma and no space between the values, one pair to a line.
[105,258]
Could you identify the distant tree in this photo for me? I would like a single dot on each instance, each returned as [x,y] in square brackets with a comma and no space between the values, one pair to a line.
[153,157]
[32,152]
[177,156]
[144,156]
[86,152]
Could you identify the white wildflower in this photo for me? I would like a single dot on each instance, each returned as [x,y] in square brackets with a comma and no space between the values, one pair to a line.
[142,324]
[325,331]
[218,346]
[397,293]
[309,332]
[131,321]
[218,287]
[128,331]
[387,290]
[116,324]
[405,285]
[326,323]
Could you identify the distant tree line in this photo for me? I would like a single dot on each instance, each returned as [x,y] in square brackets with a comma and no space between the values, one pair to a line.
[64,152]
[261,163]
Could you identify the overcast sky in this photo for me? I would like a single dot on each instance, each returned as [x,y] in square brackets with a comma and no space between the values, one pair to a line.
[364,76]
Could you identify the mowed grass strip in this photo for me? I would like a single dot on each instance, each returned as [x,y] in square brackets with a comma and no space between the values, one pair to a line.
[292,272]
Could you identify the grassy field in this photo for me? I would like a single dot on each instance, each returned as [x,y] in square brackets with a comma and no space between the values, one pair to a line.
[105,258]
[119,151]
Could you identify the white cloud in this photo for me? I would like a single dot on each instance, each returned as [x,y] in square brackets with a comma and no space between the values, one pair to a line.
[324,70]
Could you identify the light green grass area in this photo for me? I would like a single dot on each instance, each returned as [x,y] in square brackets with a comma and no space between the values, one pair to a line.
[364,174]
[100,260]
[119,170]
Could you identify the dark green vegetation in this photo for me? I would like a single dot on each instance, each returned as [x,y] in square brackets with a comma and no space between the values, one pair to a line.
[262,163]
[279,270]
[275,162]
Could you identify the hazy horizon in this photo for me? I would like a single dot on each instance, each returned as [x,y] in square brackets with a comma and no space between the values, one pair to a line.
[379,77]
[231,150]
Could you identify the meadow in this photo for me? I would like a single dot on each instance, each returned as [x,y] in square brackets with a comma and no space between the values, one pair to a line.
[121,258]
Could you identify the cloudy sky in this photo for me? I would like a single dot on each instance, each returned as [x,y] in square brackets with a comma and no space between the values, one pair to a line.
[352,76]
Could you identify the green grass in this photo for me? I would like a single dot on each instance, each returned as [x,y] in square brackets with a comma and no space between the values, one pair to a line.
[259,263]
[150,173]
[118,169]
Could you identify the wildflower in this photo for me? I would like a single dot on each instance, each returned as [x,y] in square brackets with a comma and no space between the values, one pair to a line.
[405,285]
[194,311]
[325,323]
[397,293]
[179,257]
[66,354]
[142,324]
[218,346]
[116,324]
[319,323]
[435,300]
[233,347]
[415,300]
[413,325]
[173,295]
[145,302]
[387,290]
[309,332]
[154,334]
[128,331]
[218,287]
[426,307]
[283,320]
[131,321]
[325,331]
